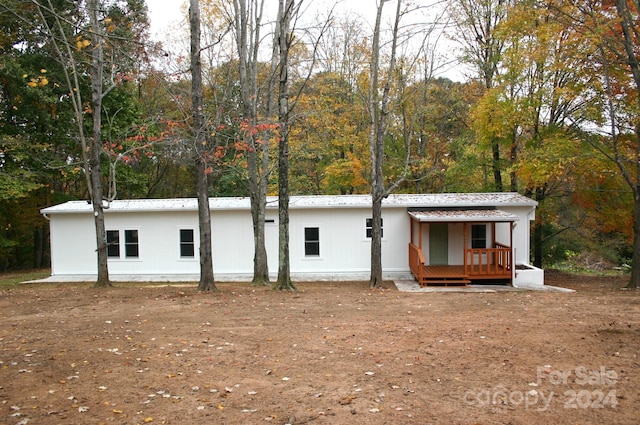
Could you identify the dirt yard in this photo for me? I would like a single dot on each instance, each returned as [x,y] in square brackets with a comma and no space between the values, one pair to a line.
[331,353]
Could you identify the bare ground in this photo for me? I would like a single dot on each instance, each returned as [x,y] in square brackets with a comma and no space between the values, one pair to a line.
[331,353]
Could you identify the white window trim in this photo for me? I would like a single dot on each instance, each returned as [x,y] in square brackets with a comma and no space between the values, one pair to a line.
[304,256]
[365,237]
[196,244]
[122,243]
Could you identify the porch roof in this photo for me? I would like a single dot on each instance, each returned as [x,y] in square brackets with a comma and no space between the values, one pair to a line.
[463,216]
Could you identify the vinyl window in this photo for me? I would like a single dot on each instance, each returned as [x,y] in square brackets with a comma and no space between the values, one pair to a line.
[131,249]
[479,236]
[312,241]
[187,244]
[113,244]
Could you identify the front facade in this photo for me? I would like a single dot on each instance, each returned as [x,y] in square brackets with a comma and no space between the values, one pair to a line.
[329,236]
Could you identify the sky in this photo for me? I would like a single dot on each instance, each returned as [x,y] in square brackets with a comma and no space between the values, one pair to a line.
[165,15]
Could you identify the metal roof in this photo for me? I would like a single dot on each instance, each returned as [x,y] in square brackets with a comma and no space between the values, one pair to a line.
[440,200]
[463,216]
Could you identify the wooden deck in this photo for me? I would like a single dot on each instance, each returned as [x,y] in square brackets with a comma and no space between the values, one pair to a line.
[486,264]
[444,275]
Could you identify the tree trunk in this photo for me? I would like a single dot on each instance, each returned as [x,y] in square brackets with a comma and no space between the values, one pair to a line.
[497,173]
[247,45]
[95,171]
[260,260]
[513,158]
[284,41]
[537,231]
[628,23]
[378,111]
[634,281]
[207,282]
[375,280]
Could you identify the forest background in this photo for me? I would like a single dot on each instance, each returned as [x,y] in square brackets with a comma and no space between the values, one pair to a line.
[548,107]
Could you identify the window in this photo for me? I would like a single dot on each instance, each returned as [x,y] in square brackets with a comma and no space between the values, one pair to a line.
[369,226]
[131,244]
[113,243]
[312,242]
[187,247]
[478,236]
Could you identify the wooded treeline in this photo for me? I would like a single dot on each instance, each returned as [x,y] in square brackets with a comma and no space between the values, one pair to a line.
[550,108]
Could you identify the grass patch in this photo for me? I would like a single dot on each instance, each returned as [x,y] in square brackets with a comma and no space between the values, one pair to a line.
[13,278]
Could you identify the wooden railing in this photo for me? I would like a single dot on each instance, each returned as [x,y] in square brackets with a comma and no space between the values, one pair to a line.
[490,262]
[480,263]
[416,262]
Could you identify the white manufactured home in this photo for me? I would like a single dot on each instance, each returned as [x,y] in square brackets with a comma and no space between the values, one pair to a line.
[437,239]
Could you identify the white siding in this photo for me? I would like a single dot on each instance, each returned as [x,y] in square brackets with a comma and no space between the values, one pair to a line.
[73,244]
[344,248]
[159,243]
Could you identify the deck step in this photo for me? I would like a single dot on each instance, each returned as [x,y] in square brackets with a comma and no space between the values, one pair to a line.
[445,282]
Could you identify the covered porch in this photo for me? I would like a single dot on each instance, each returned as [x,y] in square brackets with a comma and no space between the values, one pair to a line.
[458,247]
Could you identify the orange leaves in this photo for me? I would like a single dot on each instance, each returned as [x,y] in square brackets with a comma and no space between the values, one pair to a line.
[253,130]
[132,149]
[219,152]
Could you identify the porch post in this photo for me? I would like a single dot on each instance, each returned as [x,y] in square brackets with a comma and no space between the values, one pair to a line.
[513,259]
[410,230]
[464,246]
[493,234]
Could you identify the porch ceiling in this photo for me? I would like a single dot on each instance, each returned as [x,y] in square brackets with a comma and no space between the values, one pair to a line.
[470,215]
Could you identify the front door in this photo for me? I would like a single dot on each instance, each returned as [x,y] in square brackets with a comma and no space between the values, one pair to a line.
[438,244]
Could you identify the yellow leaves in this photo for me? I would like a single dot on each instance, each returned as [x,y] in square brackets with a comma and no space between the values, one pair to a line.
[82,43]
[345,175]
[109,24]
[39,81]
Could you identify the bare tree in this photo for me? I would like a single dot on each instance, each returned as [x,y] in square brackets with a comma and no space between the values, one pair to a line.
[200,133]
[385,94]
[248,21]
[57,28]
[97,92]
[629,16]
[378,106]
[285,12]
